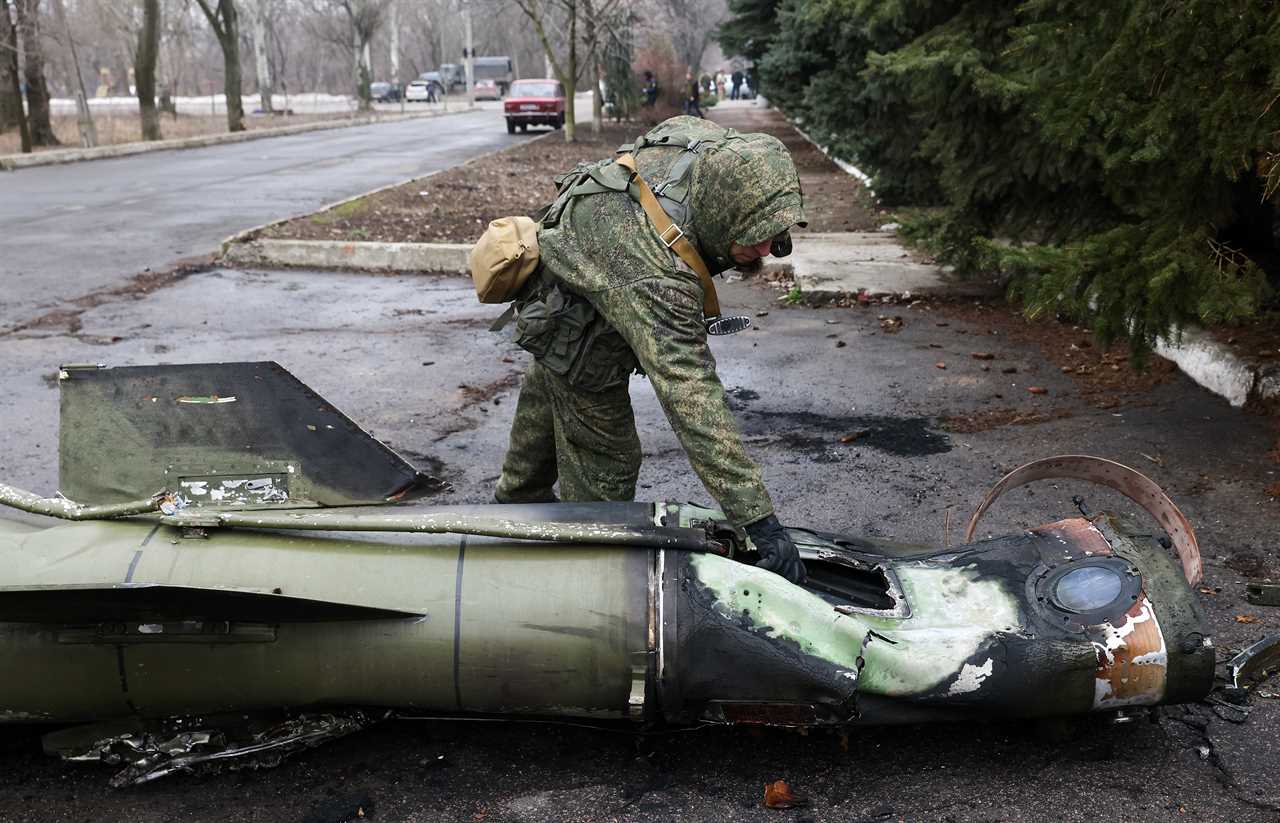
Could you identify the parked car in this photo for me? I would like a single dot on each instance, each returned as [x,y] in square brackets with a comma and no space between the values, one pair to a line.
[487,90]
[382,92]
[534,103]
[497,69]
[422,91]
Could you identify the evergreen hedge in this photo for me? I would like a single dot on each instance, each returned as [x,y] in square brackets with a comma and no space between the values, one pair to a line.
[1119,162]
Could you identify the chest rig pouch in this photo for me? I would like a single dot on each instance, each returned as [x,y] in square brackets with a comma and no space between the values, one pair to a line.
[561,329]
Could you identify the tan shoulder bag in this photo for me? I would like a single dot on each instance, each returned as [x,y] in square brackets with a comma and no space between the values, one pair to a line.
[503,258]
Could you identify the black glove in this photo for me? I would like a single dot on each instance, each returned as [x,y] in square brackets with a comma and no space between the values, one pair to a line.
[777,553]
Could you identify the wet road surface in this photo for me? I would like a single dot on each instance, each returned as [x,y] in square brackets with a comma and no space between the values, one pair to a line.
[69,230]
[409,358]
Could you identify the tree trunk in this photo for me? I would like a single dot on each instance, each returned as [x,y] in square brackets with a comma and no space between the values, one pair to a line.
[225,22]
[33,68]
[597,102]
[11,111]
[571,86]
[144,69]
[363,96]
[393,12]
[88,132]
[229,38]
[262,63]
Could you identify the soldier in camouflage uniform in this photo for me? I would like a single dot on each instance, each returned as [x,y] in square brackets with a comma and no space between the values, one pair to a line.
[612,299]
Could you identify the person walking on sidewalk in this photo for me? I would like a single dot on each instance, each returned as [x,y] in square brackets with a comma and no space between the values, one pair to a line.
[693,99]
[622,287]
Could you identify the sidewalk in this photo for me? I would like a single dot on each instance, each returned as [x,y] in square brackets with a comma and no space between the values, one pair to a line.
[829,265]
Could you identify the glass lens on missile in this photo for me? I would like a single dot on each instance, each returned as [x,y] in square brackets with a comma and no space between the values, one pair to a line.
[1088,589]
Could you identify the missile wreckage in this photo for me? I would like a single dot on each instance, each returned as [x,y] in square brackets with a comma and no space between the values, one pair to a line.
[230,545]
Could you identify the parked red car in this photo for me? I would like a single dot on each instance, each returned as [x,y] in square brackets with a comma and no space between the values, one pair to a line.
[534,103]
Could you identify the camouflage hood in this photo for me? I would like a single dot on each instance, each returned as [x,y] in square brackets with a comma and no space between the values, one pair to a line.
[744,187]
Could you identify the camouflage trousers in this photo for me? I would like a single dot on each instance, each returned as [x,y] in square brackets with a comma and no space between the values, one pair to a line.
[586,440]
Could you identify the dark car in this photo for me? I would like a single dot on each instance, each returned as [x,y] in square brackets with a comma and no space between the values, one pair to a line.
[381,92]
[534,103]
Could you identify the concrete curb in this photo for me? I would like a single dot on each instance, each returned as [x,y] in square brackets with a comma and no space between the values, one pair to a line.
[246,248]
[1217,368]
[449,258]
[11,162]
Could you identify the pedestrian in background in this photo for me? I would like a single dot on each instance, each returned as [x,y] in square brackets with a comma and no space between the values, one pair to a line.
[736,92]
[693,97]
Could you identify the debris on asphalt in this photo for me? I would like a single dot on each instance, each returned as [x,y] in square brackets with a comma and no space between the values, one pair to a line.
[939,365]
[778,795]
[854,435]
[1255,663]
[982,355]
[1263,594]
[890,325]
[1037,389]
[1009,370]
[1248,618]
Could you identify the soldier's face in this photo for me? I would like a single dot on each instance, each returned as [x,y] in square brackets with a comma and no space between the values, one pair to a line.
[749,254]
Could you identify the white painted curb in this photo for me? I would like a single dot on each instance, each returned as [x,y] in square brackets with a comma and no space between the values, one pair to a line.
[248,248]
[450,258]
[10,162]
[1217,368]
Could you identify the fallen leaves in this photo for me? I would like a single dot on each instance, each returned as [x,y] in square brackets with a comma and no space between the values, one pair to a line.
[1037,389]
[891,325]
[778,795]
[1248,618]
[982,355]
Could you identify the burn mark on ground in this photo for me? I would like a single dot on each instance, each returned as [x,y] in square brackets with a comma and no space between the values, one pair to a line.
[433,466]
[826,439]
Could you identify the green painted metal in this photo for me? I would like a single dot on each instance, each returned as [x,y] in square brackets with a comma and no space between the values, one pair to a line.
[504,627]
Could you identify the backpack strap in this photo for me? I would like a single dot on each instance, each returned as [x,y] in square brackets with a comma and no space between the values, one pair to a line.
[673,237]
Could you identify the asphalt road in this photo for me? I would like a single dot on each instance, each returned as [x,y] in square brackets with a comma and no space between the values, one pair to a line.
[394,353]
[71,230]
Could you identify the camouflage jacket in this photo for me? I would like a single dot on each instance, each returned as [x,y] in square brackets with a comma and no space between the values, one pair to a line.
[602,247]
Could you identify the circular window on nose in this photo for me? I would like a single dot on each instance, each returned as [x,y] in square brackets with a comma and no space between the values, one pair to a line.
[1088,589]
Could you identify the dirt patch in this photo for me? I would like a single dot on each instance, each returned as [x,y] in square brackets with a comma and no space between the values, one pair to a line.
[1108,378]
[995,418]
[833,200]
[1256,341]
[455,205]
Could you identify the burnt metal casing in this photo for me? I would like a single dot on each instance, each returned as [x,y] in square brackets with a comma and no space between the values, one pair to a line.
[103,619]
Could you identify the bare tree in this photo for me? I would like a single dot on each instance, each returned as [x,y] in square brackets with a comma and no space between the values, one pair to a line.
[261,15]
[88,132]
[144,69]
[361,20]
[225,22]
[11,111]
[691,24]
[543,15]
[33,70]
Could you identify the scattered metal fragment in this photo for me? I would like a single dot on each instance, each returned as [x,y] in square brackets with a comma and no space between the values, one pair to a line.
[1255,663]
[152,751]
[1263,594]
